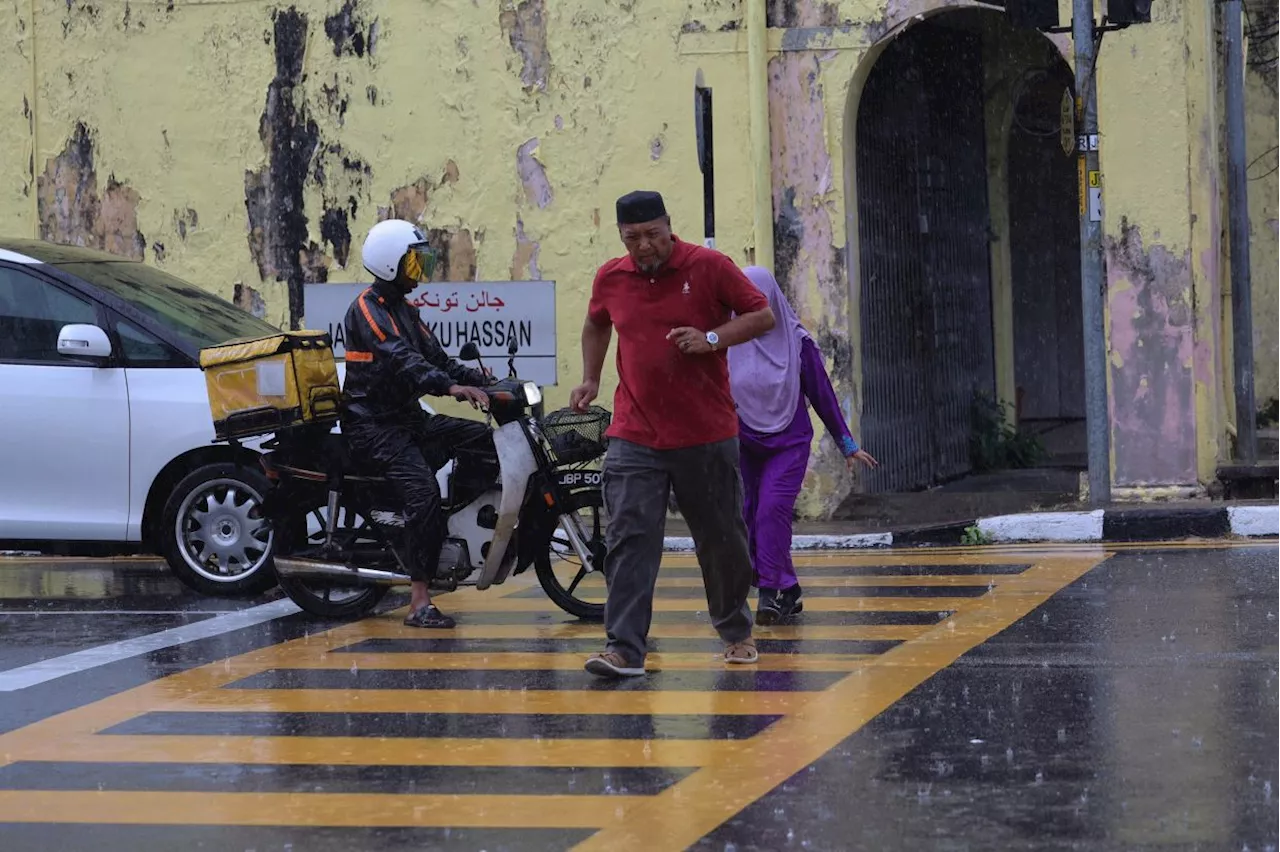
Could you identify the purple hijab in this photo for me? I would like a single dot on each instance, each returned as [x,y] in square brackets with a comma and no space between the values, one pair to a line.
[764,374]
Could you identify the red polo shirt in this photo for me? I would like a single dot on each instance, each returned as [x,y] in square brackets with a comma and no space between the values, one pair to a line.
[667,399]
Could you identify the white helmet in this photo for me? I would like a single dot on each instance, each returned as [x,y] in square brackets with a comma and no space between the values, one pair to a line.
[391,240]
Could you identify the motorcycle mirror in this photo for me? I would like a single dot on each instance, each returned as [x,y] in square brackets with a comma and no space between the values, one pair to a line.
[469,352]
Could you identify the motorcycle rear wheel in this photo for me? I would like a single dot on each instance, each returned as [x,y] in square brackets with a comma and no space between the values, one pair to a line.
[325,598]
[589,505]
[316,597]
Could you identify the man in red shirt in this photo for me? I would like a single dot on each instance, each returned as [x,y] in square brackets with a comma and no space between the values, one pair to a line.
[677,308]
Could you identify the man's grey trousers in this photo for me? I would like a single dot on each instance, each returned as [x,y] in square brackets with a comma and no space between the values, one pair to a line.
[707,485]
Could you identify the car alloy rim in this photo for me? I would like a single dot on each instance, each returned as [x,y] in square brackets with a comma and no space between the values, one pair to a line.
[221,532]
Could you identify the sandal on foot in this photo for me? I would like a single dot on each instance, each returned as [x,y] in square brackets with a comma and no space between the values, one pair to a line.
[429,616]
[741,653]
[612,664]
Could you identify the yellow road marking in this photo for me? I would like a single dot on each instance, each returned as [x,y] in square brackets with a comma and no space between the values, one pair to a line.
[377,751]
[847,604]
[728,775]
[383,810]
[910,580]
[514,661]
[391,628]
[685,812]
[501,701]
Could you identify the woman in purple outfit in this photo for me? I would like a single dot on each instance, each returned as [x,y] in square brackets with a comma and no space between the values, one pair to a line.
[773,378]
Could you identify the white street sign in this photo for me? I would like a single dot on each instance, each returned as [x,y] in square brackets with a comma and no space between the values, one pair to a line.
[489,313]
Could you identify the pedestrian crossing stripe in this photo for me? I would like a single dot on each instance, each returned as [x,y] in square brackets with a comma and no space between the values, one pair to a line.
[689,730]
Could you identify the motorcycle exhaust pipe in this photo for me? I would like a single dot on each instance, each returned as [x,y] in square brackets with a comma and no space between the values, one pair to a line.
[314,569]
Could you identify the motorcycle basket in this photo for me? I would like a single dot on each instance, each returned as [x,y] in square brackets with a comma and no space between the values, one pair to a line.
[576,437]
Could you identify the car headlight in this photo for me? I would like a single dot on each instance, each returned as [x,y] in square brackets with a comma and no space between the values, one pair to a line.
[532,393]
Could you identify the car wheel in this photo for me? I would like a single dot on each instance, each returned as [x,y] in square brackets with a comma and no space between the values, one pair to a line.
[213,533]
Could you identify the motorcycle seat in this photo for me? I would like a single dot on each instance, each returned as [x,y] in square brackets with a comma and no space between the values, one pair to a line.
[327,458]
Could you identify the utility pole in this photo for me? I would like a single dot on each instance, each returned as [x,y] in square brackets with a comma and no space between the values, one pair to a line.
[1241,273]
[1092,281]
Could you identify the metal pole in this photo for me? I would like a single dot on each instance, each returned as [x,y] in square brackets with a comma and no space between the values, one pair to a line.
[761,166]
[1241,274]
[1092,280]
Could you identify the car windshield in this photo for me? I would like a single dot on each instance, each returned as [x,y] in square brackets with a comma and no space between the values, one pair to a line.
[198,318]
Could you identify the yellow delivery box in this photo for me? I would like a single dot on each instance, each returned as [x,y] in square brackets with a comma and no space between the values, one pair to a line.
[271,383]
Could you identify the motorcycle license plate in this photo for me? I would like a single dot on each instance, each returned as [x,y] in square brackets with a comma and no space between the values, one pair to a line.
[580,478]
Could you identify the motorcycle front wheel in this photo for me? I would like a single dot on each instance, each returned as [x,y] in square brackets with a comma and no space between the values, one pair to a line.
[560,571]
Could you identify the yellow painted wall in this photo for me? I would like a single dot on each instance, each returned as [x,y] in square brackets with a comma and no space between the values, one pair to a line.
[425,107]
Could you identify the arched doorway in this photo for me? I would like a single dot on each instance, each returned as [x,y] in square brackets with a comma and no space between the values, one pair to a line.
[935,109]
[1044,249]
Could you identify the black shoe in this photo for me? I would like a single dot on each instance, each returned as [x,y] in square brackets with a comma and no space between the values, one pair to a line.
[789,602]
[768,609]
[429,616]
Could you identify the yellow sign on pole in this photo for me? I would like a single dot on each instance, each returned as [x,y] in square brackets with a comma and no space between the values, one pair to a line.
[1083,188]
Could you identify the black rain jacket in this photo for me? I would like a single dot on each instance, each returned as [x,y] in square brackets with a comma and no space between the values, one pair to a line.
[393,360]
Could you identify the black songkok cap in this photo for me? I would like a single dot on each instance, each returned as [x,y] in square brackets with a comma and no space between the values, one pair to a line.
[640,206]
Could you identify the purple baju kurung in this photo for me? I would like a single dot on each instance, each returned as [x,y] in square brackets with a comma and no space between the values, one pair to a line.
[773,468]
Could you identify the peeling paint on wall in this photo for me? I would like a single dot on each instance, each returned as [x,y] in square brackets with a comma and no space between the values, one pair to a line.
[533,175]
[802,13]
[410,202]
[250,300]
[524,24]
[457,252]
[1152,344]
[274,195]
[808,264]
[524,262]
[350,35]
[185,221]
[71,210]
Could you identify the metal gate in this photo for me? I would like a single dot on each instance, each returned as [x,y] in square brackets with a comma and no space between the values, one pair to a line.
[925,261]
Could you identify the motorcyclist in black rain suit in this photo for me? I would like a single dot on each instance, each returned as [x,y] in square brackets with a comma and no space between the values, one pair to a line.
[392,361]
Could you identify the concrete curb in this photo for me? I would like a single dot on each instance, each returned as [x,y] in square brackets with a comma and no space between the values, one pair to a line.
[1128,524]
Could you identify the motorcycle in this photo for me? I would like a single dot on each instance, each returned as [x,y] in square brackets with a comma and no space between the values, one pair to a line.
[535,502]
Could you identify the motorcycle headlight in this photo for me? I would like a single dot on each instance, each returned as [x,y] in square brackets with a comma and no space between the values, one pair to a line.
[532,393]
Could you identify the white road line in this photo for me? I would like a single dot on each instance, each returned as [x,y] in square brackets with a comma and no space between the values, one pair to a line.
[4,612]
[89,658]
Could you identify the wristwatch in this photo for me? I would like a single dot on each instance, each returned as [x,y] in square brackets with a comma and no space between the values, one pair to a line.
[713,340]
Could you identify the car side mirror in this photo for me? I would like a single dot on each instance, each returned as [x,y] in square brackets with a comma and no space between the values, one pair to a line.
[469,352]
[83,341]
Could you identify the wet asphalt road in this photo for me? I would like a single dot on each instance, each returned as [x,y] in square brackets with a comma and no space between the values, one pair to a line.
[1070,698]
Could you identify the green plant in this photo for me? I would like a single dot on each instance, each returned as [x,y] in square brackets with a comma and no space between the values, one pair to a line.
[993,443]
[973,535]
